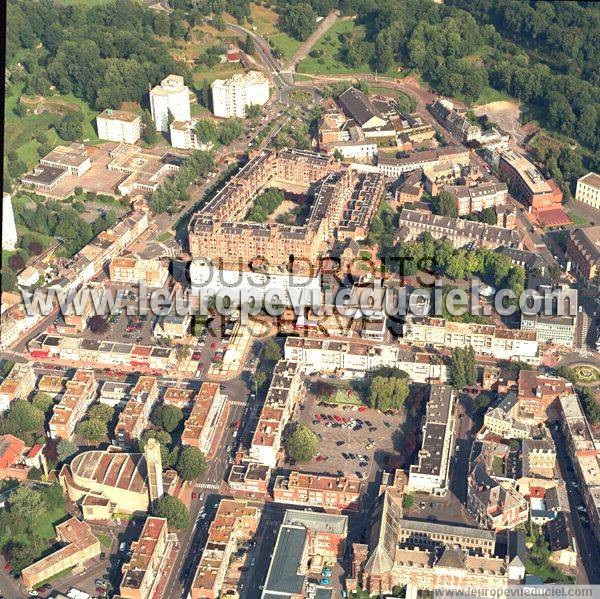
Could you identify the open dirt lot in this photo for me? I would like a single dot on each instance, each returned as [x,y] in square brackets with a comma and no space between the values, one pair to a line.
[506,114]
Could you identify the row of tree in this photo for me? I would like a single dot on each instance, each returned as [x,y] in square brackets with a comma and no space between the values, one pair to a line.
[176,188]
[440,256]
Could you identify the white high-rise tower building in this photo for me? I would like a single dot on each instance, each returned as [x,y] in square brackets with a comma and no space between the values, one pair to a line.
[9,229]
[232,96]
[170,96]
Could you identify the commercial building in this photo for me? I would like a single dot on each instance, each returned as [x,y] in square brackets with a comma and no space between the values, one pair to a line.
[142,571]
[105,353]
[393,167]
[207,419]
[79,546]
[305,543]
[588,190]
[412,224]
[134,418]
[430,473]
[424,555]
[79,395]
[282,396]
[131,270]
[57,165]
[583,448]
[558,330]
[18,384]
[318,490]
[231,97]
[119,126]
[486,339]
[583,248]
[353,358]
[527,182]
[170,99]
[235,523]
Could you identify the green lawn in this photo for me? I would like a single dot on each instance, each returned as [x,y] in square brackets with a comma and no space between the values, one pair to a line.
[331,48]
[165,236]
[489,94]
[20,132]
[577,220]
[45,527]
[56,576]
[285,44]
[105,540]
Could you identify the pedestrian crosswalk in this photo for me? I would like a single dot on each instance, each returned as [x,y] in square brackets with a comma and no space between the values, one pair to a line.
[237,403]
[212,486]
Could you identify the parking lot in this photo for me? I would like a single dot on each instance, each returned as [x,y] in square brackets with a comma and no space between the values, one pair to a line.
[353,440]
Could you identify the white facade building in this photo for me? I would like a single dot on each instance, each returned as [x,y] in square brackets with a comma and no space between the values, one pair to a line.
[170,97]
[119,126]
[241,286]
[183,136]
[588,190]
[9,229]
[232,96]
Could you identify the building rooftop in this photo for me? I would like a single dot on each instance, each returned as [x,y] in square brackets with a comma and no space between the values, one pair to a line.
[118,115]
[591,179]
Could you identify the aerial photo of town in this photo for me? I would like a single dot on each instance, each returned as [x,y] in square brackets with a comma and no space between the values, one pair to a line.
[300,299]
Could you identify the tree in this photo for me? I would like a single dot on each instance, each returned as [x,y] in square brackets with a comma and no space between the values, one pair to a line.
[42,401]
[488,216]
[408,501]
[191,464]
[65,449]
[149,133]
[463,367]
[98,324]
[101,412]
[53,496]
[254,111]
[35,247]
[271,351]
[16,262]
[206,131]
[70,127]
[174,511]
[301,444]
[445,205]
[387,393]
[168,457]
[9,279]
[27,504]
[167,417]
[92,429]
[230,130]
[22,555]
[299,21]
[25,417]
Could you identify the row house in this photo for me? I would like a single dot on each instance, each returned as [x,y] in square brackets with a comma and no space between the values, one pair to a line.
[207,420]
[80,393]
[236,522]
[18,384]
[134,418]
[322,491]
